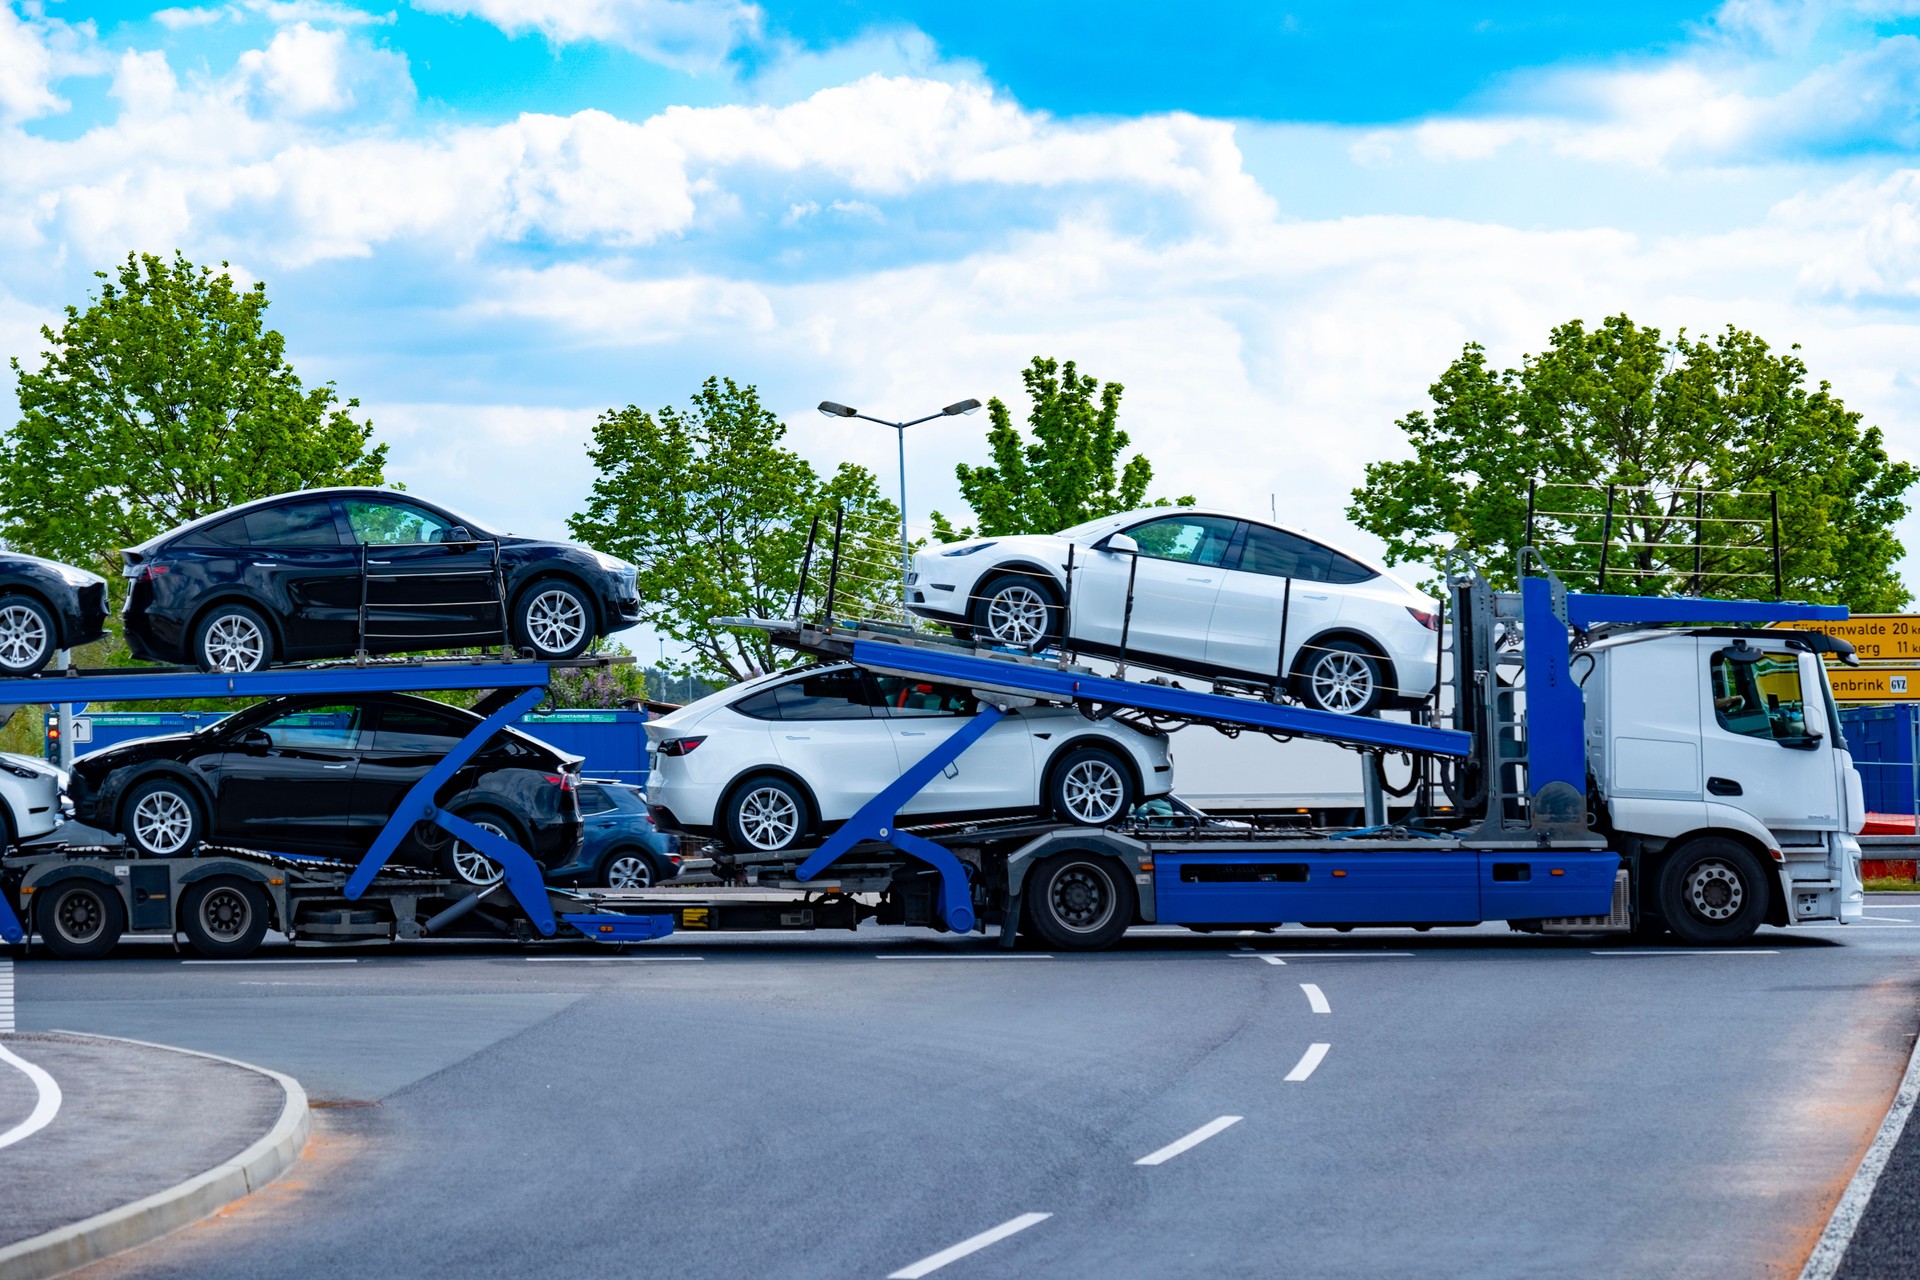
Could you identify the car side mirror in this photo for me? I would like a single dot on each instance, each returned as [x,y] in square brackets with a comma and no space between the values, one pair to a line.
[255,742]
[1119,544]
[458,534]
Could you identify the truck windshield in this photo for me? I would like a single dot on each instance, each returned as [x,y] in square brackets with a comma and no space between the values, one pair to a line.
[1760,699]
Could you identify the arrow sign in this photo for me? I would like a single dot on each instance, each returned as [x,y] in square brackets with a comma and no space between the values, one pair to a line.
[1876,637]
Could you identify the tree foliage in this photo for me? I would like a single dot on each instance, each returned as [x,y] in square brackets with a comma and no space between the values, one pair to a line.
[715,513]
[166,399]
[1069,472]
[1664,420]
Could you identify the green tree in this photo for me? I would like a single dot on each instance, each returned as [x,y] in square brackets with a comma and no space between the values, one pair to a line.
[1619,405]
[166,399]
[715,513]
[1069,472]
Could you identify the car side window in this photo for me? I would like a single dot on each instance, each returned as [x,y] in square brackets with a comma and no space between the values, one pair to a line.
[1759,699]
[904,698]
[1346,573]
[334,728]
[227,533]
[298,524]
[391,524]
[416,731]
[1201,540]
[1279,554]
[822,695]
[595,799]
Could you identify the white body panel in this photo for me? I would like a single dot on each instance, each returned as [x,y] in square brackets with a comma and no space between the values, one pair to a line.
[30,788]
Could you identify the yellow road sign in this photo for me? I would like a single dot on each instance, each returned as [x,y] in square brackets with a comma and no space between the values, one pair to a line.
[1874,684]
[1876,637]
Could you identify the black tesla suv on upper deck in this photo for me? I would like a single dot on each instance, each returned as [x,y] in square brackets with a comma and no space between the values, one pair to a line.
[327,573]
[321,774]
[46,606]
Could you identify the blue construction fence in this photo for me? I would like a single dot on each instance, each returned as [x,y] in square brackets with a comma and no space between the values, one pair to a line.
[612,740]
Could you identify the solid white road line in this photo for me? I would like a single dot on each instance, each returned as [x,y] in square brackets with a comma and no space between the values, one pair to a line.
[1342,955]
[45,1107]
[1308,1061]
[1192,1140]
[1892,920]
[1832,1245]
[1741,952]
[927,1266]
[1018,955]
[607,959]
[1316,999]
[327,960]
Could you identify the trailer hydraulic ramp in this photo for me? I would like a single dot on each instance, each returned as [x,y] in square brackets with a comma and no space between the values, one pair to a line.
[521,874]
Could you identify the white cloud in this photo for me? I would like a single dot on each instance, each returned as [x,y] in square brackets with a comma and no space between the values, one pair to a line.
[692,34]
[182,19]
[35,53]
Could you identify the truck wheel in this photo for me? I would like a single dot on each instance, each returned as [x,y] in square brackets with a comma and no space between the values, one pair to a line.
[1080,901]
[224,918]
[1712,892]
[1340,676]
[1091,787]
[767,815]
[80,920]
[1018,612]
[161,818]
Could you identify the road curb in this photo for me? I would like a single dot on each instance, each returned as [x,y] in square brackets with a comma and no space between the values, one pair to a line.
[1831,1248]
[77,1244]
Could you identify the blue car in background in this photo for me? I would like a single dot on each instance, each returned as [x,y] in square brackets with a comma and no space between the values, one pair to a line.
[620,847]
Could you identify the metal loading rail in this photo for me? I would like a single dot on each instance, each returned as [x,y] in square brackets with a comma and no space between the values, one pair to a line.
[521,875]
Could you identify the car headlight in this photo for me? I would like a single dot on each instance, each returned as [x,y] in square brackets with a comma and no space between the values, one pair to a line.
[19,771]
[967,551]
[612,564]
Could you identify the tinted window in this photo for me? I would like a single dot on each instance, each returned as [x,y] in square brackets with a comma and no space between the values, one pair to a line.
[825,695]
[1346,572]
[418,731]
[1279,554]
[595,799]
[315,728]
[1759,699]
[1192,539]
[394,523]
[298,524]
[228,533]
[904,697]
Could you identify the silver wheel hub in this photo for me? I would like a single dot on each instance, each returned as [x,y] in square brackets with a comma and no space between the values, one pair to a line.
[1342,681]
[1081,898]
[474,866]
[629,871]
[556,622]
[1092,791]
[769,819]
[1017,615]
[1715,892]
[235,643]
[225,913]
[79,917]
[162,822]
[23,636]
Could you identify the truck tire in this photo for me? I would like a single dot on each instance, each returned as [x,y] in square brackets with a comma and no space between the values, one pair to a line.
[1090,787]
[1080,901]
[161,818]
[1018,612]
[225,917]
[79,919]
[1713,891]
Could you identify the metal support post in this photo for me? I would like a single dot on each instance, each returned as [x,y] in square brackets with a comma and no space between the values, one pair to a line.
[63,719]
[1606,539]
[1373,797]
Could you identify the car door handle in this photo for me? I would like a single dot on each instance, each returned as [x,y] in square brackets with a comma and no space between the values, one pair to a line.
[913,733]
[336,766]
[379,562]
[1199,579]
[1724,787]
[1310,595]
[799,737]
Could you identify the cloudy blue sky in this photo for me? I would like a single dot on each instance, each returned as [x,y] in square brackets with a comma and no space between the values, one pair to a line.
[490,219]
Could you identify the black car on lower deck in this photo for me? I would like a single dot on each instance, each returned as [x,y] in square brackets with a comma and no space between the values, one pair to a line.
[322,774]
[46,606]
[327,573]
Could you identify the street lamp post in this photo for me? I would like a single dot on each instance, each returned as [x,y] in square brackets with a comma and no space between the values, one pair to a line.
[833,410]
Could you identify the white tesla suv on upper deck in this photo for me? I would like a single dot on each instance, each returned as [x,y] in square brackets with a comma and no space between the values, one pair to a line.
[1213,594]
[768,763]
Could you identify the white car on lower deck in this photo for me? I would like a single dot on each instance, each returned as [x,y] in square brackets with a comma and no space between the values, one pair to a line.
[769,763]
[30,790]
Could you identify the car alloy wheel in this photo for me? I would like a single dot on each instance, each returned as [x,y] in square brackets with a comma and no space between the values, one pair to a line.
[1342,681]
[1092,791]
[1714,891]
[629,871]
[769,819]
[473,866]
[1017,616]
[162,822]
[24,637]
[556,621]
[234,642]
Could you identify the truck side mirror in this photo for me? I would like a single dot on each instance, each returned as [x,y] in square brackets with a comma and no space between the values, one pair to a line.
[1807,741]
[1119,543]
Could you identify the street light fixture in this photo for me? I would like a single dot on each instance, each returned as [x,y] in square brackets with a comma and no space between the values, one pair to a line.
[833,410]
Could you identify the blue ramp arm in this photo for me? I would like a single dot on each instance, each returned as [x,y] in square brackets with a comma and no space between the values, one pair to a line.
[10,930]
[528,886]
[878,819]
[420,677]
[1586,610]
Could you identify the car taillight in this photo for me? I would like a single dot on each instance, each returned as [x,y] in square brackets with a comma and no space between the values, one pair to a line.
[564,781]
[680,746]
[1425,617]
[143,572]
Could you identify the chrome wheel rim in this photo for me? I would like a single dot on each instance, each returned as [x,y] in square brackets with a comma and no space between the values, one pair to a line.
[235,643]
[1092,792]
[23,636]
[80,917]
[162,822]
[1715,892]
[1081,897]
[629,871]
[1342,681]
[769,818]
[225,913]
[556,621]
[1017,615]
[473,866]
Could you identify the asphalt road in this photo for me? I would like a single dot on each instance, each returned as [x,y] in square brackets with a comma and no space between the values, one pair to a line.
[1464,1103]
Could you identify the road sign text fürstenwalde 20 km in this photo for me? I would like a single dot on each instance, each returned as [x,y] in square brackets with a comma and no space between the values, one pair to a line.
[1876,637]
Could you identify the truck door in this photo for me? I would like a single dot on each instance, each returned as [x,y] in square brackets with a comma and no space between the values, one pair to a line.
[1767,744]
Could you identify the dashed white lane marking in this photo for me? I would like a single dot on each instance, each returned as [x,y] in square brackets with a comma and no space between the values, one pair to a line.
[973,1244]
[6,994]
[1018,955]
[46,1106]
[607,959]
[1657,954]
[1342,955]
[1316,999]
[327,960]
[1255,955]
[1308,1061]
[1191,1141]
